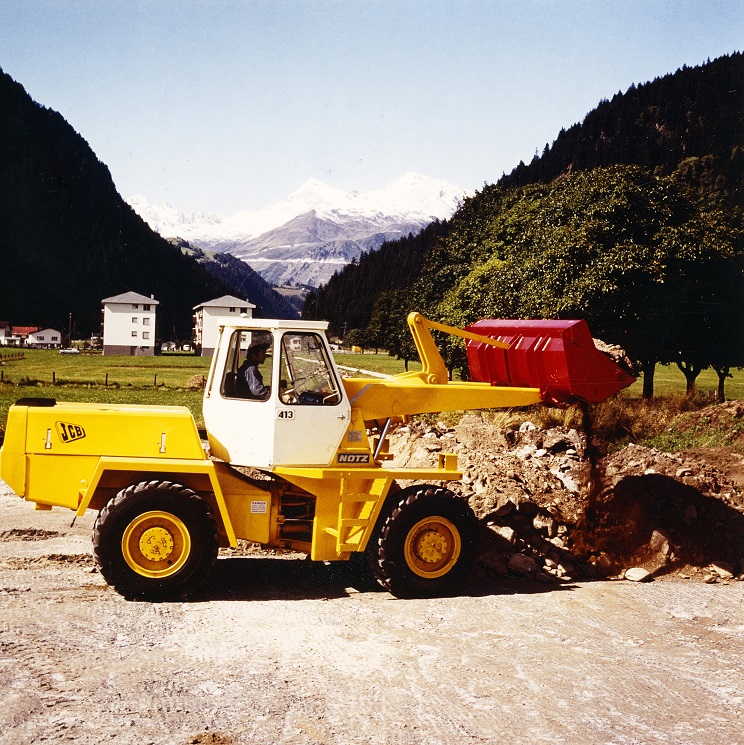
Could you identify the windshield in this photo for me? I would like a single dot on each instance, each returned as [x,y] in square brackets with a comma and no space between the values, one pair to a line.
[306,372]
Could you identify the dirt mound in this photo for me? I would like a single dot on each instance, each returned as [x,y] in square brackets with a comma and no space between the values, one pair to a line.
[723,423]
[549,514]
[663,512]
[196,382]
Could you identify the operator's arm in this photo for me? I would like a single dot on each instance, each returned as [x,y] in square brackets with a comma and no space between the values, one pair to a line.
[254,379]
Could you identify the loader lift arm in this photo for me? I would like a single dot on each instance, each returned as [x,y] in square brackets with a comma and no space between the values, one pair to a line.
[430,390]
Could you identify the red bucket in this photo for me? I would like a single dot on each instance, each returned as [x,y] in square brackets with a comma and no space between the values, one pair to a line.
[558,357]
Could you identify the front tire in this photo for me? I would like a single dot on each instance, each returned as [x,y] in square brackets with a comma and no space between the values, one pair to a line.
[425,543]
[155,541]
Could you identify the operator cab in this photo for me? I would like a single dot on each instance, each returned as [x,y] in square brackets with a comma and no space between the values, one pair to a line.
[274,396]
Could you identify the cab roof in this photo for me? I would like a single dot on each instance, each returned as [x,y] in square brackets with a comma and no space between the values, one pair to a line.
[269,324]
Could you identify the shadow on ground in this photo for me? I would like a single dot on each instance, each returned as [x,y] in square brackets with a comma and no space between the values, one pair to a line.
[260,578]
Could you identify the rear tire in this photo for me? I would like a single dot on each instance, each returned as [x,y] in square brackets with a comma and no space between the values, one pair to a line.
[155,541]
[425,544]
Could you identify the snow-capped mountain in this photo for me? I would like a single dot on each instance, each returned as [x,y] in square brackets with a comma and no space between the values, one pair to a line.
[306,237]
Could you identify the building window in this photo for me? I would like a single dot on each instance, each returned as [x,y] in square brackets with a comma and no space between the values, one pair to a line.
[145,307]
[145,334]
[40,338]
[232,310]
[244,310]
[55,338]
[134,319]
[145,321]
[134,333]
[135,306]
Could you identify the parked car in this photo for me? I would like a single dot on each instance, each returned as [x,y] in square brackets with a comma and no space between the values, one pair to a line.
[71,350]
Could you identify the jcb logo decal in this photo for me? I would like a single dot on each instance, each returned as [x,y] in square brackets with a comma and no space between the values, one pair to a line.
[68,432]
[353,457]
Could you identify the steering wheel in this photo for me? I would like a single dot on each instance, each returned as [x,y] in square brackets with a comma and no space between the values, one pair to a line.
[288,395]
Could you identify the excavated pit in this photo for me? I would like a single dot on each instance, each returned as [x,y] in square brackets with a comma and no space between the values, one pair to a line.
[550,509]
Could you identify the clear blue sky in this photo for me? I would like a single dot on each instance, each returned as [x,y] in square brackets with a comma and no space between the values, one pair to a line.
[223,106]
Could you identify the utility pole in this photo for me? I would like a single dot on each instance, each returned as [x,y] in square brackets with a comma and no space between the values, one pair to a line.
[69,331]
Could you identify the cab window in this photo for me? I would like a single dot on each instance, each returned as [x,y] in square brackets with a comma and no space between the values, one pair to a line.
[248,370]
[307,377]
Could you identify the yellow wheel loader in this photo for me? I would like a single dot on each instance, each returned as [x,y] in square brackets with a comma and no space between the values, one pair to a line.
[299,461]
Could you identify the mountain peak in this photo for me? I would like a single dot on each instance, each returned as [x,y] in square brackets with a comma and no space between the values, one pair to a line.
[413,195]
[315,230]
[314,194]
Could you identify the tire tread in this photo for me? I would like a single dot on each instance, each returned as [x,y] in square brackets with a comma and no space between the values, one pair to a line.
[383,551]
[181,495]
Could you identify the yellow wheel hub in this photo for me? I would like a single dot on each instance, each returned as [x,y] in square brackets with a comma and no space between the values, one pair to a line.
[156,544]
[432,547]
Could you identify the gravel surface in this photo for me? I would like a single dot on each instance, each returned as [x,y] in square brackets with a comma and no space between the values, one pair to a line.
[278,650]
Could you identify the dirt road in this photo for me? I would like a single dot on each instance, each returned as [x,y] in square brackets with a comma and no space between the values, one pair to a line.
[278,651]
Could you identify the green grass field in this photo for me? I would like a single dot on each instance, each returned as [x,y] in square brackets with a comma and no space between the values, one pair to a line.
[47,366]
[668,380]
[164,379]
[380,363]
[97,379]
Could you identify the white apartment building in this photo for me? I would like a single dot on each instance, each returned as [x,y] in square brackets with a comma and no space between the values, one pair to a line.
[45,339]
[209,316]
[129,325]
[6,334]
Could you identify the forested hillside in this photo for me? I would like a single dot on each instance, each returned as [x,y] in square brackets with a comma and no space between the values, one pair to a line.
[690,123]
[628,251]
[67,239]
[649,253]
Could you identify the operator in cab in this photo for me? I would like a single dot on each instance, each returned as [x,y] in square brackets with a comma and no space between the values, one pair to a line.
[250,383]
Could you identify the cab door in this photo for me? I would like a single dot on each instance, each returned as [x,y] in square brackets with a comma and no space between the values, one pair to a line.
[312,411]
[241,426]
